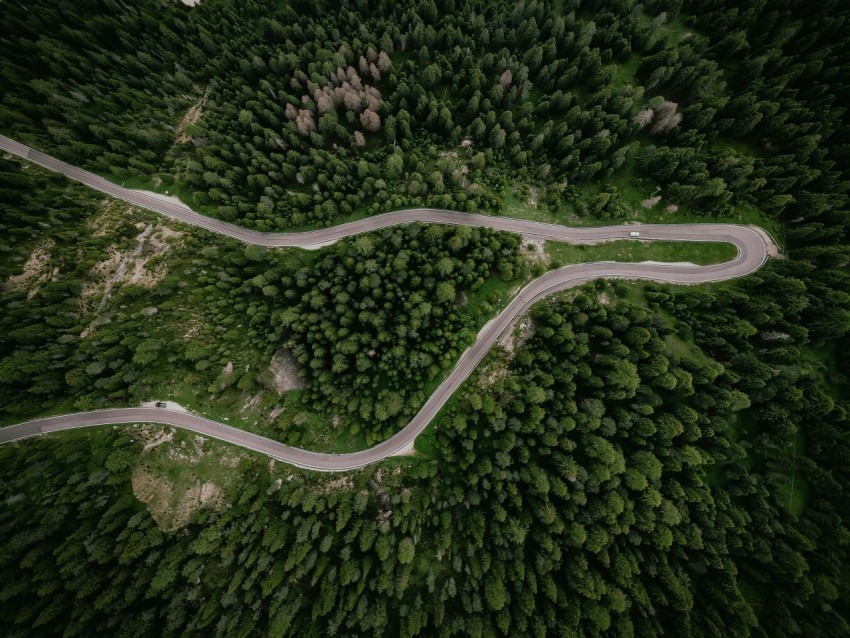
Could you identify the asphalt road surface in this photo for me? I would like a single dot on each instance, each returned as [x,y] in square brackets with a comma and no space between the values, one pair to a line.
[752,245]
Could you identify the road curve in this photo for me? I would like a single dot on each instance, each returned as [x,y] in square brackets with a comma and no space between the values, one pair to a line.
[752,253]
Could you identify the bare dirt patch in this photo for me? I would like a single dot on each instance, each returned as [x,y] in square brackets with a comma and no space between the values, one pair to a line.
[101,223]
[170,508]
[284,367]
[193,328]
[652,201]
[225,376]
[251,403]
[517,334]
[343,483]
[407,450]
[129,266]
[35,271]
[492,374]
[163,437]
[534,250]
[192,115]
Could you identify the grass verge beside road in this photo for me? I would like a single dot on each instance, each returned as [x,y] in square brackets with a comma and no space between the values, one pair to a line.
[702,253]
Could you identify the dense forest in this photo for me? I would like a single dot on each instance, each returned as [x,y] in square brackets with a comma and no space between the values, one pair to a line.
[281,117]
[645,460]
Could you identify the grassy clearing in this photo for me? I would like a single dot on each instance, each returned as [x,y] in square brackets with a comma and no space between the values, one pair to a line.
[702,253]
[625,73]
[204,456]
[293,423]
[744,214]
[682,344]
[492,296]
[673,32]
[633,190]
[426,443]
[299,426]
[515,206]
[229,407]
[159,184]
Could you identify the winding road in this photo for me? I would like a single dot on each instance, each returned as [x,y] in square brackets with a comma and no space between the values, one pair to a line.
[753,246]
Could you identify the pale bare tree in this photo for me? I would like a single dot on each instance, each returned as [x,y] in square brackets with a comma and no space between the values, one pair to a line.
[643,117]
[352,100]
[384,62]
[359,139]
[325,103]
[305,122]
[666,118]
[372,102]
[506,78]
[370,120]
